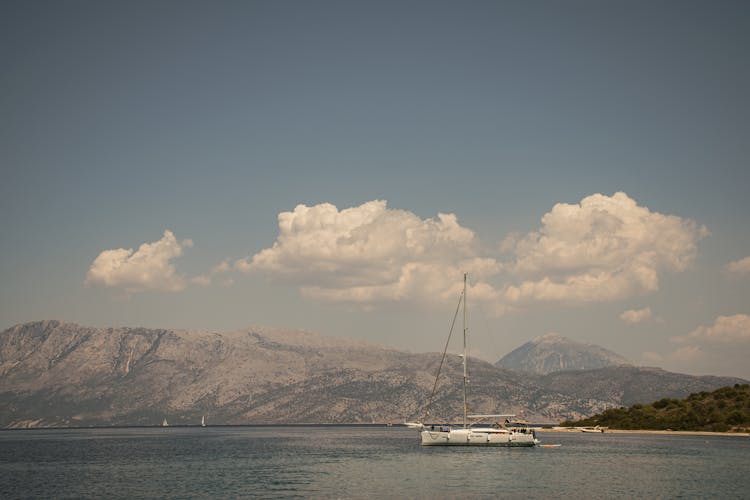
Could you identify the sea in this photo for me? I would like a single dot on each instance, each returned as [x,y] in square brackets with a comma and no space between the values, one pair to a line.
[340,461]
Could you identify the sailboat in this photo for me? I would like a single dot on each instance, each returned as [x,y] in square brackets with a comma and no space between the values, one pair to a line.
[503,432]
[203,421]
[164,423]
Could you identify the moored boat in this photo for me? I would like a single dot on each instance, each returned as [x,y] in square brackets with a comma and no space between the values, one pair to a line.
[499,433]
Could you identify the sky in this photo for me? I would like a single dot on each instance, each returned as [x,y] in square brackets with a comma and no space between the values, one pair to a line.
[337,166]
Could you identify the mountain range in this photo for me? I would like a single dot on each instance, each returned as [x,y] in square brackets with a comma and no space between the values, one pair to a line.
[63,374]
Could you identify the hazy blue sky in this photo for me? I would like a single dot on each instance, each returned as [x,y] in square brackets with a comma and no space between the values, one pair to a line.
[590,160]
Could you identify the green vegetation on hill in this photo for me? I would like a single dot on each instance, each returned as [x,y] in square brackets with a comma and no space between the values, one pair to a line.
[725,409]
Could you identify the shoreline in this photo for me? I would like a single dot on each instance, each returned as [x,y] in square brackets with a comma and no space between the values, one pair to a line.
[644,431]
[395,425]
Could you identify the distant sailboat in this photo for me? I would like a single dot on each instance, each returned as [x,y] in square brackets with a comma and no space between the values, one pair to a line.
[203,421]
[165,424]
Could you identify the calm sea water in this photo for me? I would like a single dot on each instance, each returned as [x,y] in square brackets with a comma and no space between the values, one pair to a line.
[362,462]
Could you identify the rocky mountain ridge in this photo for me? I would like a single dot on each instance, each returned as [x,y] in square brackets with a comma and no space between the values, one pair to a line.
[63,374]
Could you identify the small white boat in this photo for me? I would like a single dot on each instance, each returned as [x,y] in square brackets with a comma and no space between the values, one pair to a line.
[596,429]
[203,421]
[164,423]
[501,433]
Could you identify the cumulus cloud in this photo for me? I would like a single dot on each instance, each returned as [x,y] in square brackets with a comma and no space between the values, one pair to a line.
[148,268]
[370,253]
[718,349]
[741,267]
[726,329]
[636,315]
[208,278]
[604,248]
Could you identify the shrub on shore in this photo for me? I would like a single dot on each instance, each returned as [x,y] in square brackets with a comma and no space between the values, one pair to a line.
[725,409]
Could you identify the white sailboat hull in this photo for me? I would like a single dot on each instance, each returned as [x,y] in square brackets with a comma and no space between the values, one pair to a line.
[476,437]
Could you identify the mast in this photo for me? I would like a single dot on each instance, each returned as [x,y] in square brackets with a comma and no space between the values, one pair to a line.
[465,332]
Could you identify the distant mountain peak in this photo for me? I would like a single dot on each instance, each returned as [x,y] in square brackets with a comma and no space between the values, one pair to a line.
[553,353]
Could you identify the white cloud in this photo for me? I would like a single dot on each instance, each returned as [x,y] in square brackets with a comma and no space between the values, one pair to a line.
[605,248]
[208,278]
[148,268]
[371,253]
[741,266]
[726,329]
[636,315]
[721,348]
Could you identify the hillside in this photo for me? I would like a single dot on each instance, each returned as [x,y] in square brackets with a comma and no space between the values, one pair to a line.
[724,409]
[630,385]
[54,373]
[63,374]
[554,353]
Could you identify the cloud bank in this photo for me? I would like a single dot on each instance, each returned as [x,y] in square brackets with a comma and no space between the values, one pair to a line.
[604,248]
[601,249]
[369,253]
[148,268]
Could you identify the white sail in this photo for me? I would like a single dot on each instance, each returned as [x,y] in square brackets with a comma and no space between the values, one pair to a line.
[203,421]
